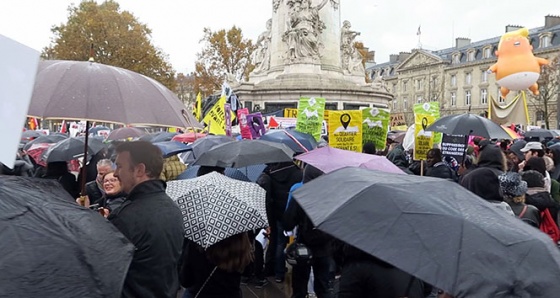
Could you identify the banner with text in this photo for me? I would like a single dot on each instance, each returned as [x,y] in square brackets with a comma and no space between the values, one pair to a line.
[423,140]
[432,109]
[216,118]
[375,126]
[290,113]
[397,119]
[256,125]
[345,130]
[453,146]
[243,124]
[227,113]
[310,116]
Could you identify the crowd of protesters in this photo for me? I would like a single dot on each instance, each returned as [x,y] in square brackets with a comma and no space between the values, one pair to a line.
[125,183]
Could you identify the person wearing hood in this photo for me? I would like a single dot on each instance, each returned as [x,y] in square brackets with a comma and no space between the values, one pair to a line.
[513,190]
[555,155]
[537,194]
[484,183]
[398,157]
[277,179]
[492,157]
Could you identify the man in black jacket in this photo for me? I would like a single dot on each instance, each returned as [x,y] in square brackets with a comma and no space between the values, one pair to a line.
[150,220]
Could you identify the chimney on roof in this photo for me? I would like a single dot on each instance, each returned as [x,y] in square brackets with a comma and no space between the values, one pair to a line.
[551,21]
[510,28]
[403,56]
[393,58]
[462,42]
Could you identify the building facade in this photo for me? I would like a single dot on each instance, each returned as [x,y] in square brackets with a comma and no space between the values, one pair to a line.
[457,77]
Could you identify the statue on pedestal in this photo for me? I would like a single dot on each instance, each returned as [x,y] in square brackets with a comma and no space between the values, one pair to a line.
[379,84]
[303,29]
[349,55]
[261,55]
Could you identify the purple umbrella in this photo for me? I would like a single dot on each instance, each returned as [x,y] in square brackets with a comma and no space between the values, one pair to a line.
[328,159]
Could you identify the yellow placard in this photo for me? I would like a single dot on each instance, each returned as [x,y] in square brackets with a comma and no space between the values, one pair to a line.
[345,130]
[290,113]
[216,118]
[423,140]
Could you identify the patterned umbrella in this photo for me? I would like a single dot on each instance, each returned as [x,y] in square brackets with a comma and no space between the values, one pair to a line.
[215,207]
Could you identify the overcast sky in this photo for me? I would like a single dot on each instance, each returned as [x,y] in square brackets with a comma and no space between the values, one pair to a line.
[387,26]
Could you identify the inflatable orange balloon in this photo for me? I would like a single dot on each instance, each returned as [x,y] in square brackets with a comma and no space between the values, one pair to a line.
[517,68]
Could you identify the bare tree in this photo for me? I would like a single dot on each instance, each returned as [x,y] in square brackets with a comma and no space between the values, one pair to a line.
[545,102]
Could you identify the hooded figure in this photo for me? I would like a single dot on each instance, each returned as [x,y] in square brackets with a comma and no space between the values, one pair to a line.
[398,157]
[484,183]
[555,174]
[492,157]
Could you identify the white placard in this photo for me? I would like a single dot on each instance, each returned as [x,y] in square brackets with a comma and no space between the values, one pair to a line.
[18,66]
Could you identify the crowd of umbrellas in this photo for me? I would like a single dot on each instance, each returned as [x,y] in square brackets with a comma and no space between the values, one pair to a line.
[432,229]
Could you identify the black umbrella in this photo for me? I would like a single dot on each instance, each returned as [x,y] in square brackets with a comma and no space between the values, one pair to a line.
[171,148]
[46,140]
[298,141]
[72,148]
[125,133]
[31,134]
[245,153]
[435,230]
[162,136]
[541,134]
[204,144]
[51,247]
[232,173]
[468,124]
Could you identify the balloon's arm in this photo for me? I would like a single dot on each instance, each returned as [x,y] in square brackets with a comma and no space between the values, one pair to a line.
[493,68]
[542,61]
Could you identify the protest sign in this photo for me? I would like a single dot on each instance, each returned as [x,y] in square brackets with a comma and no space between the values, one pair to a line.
[345,130]
[243,124]
[17,78]
[227,114]
[432,109]
[256,125]
[375,126]
[423,140]
[453,146]
[216,117]
[397,119]
[310,116]
[290,113]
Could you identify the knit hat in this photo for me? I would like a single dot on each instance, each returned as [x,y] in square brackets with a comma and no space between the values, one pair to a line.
[511,185]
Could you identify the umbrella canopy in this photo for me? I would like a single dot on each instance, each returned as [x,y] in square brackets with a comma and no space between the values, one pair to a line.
[188,137]
[216,207]
[125,133]
[99,130]
[469,124]
[245,153]
[204,144]
[51,247]
[541,134]
[397,136]
[232,173]
[299,142]
[435,230]
[31,134]
[171,148]
[45,139]
[72,148]
[328,159]
[76,90]
[36,152]
[163,136]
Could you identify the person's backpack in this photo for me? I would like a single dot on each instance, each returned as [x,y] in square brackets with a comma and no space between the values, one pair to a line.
[549,227]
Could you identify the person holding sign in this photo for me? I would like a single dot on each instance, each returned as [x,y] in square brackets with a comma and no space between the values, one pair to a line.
[437,167]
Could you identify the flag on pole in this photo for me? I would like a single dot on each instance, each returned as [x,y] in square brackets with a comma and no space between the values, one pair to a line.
[418,32]
[63,127]
[198,110]
[33,124]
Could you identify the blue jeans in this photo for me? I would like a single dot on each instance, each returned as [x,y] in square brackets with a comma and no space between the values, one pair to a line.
[280,257]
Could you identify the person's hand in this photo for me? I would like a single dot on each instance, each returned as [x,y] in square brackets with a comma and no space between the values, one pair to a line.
[521,165]
[83,201]
[104,211]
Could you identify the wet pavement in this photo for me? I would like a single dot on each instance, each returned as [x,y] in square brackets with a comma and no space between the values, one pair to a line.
[271,290]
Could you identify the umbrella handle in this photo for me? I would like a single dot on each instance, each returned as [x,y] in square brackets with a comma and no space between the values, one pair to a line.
[83,171]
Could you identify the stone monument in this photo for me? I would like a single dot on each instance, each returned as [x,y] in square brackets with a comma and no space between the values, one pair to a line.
[307,52]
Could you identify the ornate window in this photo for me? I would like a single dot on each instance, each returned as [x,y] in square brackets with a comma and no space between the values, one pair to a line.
[456,58]
[468,78]
[453,99]
[404,86]
[483,96]
[471,55]
[405,103]
[468,97]
[484,77]
[544,39]
[419,99]
[453,81]
[487,52]
[395,105]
